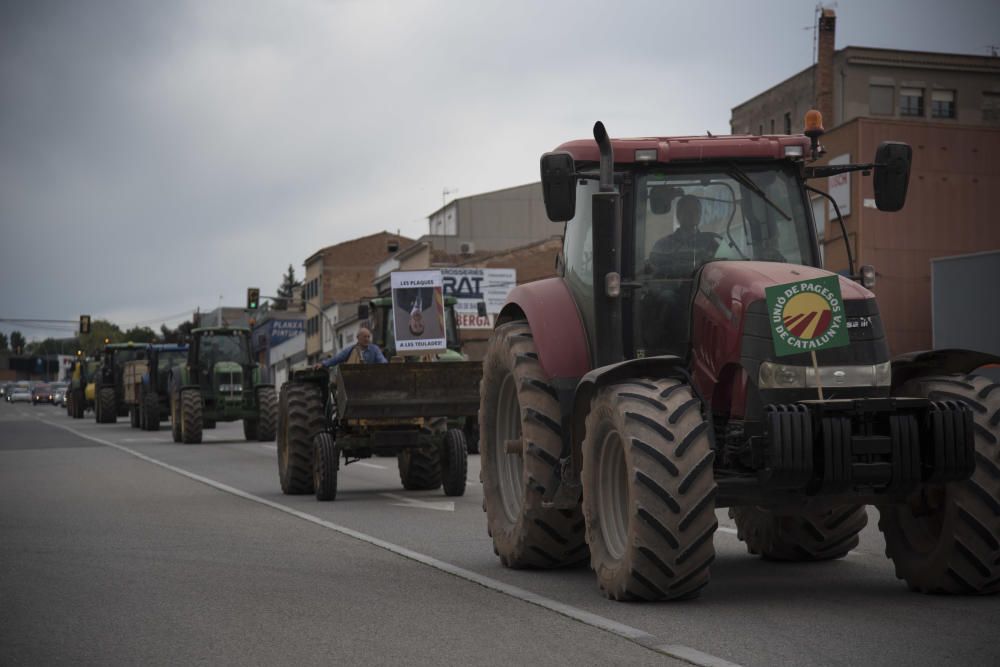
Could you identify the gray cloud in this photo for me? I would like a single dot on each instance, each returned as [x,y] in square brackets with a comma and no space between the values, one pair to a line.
[154,156]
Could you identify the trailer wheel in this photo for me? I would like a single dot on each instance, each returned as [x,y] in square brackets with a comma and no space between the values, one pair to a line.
[800,536]
[520,440]
[326,462]
[191,416]
[300,417]
[107,410]
[175,418]
[948,540]
[151,407]
[267,405]
[649,491]
[454,463]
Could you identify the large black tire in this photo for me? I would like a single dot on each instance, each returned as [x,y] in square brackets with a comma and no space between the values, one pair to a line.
[454,463]
[250,429]
[151,411]
[267,404]
[133,415]
[815,535]
[419,469]
[79,404]
[106,411]
[326,462]
[69,404]
[300,418]
[518,402]
[175,418]
[191,416]
[954,545]
[649,491]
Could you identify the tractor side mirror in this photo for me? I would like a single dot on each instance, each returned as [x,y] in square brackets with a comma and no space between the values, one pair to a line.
[559,186]
[892,175]
[362,311]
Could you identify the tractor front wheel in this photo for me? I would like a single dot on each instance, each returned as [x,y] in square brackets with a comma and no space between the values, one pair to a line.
[191,416]
[649,491]
[107,410]
[325,465]
[267,406]
[454,463]
[151,409]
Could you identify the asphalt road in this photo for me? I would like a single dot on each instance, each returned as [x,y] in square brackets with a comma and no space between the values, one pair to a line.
[118,546]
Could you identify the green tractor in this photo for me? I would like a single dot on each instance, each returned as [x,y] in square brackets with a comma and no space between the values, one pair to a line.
[109,391]
[412,409]
[220,382]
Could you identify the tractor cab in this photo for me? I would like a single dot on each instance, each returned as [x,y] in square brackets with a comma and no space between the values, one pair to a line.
[222,360]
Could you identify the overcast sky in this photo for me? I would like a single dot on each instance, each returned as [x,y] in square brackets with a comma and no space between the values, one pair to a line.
[158,156]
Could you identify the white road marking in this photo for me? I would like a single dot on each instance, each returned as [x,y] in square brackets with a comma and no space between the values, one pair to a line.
[145,440]
[268,447]
[635,635]
[441,506]
[726,529]
[369,465]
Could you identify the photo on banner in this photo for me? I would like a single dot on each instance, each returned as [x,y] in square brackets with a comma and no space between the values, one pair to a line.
[418,312]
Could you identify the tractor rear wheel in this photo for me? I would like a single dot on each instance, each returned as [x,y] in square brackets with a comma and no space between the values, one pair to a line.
[79,404]
[520,440]
[267,406]
[454,463]
[191,416]
[250,429]
[107,411]
[300,417]
[948,539]
[800,536]
[151,408]
[325,465]
[649,490]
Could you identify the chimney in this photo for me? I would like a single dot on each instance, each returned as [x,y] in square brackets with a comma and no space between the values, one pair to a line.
[824,65]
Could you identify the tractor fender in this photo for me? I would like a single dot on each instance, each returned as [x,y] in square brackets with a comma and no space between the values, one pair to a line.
[905,367]
[660,366]
[556,326]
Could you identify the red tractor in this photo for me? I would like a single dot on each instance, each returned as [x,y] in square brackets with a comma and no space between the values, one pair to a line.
[625,401]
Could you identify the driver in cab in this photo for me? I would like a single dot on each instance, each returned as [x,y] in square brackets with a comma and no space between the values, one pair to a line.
[364,352]
[688,247]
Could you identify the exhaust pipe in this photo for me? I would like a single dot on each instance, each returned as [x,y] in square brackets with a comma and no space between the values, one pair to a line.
[607,157]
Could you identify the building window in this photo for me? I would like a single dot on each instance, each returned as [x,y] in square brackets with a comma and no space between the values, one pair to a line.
[788,122]
[942,104]
[760,130]
[772,126]
[991,107]
[911,102]
[880,100]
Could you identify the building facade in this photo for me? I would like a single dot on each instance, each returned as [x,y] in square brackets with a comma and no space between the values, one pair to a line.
[491,222]
[342,273]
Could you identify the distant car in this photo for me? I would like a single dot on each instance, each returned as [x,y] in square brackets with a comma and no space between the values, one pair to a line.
[20,394]
[59,393]
[41,393]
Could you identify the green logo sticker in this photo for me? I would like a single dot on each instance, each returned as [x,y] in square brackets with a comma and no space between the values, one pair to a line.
[806,316]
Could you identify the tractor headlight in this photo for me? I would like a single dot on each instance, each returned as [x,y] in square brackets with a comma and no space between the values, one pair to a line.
[784,376]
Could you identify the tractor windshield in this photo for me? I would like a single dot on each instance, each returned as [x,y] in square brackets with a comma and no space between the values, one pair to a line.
[167,359]
[737,213]
[684,219]
[229,346]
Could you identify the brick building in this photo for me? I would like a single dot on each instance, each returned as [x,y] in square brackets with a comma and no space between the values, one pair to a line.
[342,273]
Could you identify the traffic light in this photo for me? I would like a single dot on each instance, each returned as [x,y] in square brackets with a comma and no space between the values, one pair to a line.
[85,324]
[253,298]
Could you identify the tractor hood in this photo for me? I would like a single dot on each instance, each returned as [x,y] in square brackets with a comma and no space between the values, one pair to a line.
[735,285]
